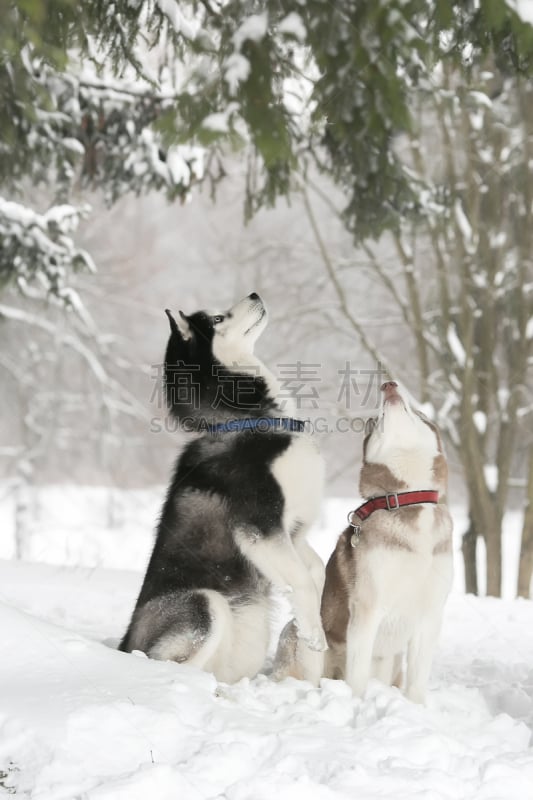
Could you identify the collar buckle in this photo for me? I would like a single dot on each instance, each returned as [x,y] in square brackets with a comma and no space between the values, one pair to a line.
[396,502]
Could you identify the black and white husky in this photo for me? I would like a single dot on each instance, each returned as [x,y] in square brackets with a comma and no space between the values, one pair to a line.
[234,520]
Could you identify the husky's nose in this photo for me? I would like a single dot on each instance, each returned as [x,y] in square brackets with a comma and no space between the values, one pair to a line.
[254,296]
[389,387]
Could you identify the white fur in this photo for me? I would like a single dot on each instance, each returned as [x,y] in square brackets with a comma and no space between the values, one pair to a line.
[398,603]
[234,341]
[299,471]
[285,559]
[237,643]
[278,559]
[408,592]
[244,638]
[403,442]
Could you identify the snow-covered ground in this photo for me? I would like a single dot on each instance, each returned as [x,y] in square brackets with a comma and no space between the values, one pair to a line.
[80,720]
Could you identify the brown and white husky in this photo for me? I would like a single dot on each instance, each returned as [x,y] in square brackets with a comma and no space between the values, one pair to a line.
[391,571]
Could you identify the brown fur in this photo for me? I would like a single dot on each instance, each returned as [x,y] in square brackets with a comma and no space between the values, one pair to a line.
[385,529]
[286,662]
[444,546]
[340,576]
[376,479]
[341,570]
[349,586]
[440,475]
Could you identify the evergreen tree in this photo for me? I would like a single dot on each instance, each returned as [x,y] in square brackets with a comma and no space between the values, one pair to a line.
[130,96]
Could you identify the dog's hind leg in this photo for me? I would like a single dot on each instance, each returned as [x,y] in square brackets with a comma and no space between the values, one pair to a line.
[295,659]
[286,659]
[192,628]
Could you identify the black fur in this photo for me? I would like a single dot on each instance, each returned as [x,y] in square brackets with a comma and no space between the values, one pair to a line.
[221,483]
[198,386]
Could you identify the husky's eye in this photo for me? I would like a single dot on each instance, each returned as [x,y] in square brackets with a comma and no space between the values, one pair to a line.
[219,318]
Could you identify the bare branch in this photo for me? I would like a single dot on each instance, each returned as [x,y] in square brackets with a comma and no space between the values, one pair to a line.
[339,289]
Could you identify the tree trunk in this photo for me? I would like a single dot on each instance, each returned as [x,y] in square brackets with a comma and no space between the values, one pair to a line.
[525,569]
[493,543]
[468,548]
[22,516]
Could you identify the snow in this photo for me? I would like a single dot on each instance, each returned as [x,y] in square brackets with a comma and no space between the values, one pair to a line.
[80,720]
[86,527]
[292,25]
[490,472]
[497,239]
[39,246]
[236,67]
[455,345]
[180,24]
[220,121]
[524,9]
[462,222]
[253,29]
[65,216]
[480,98]
[177,167]
[236,71]
[529,328]
[480,421]
[477,119]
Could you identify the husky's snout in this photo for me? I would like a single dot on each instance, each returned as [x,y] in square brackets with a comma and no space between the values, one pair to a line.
[390,387]
[391,393]
[254,314]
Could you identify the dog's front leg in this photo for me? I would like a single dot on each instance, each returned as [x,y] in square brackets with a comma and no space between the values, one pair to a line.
[360,637]
[276,558]
[313,562]
[419,657]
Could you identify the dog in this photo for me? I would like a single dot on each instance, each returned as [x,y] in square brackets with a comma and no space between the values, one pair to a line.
[391,571]
[243,494]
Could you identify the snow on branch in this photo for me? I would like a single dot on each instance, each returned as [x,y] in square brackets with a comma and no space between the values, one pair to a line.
[237,67]
[188,28]
[524,9]
[39,247]
[464,226]
[456,346]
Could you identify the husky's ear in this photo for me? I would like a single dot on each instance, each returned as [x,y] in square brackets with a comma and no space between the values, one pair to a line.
[181,326]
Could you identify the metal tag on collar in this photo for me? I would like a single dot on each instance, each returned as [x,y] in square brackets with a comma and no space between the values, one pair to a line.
[396,503]
[355,538]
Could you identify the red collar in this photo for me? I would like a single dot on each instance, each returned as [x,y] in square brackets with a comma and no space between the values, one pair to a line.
[392,501]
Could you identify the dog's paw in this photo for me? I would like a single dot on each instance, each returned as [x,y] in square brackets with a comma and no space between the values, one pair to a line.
[314,638]
[416,694]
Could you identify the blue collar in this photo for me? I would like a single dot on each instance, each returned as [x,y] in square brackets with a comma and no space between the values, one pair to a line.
[261,424]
